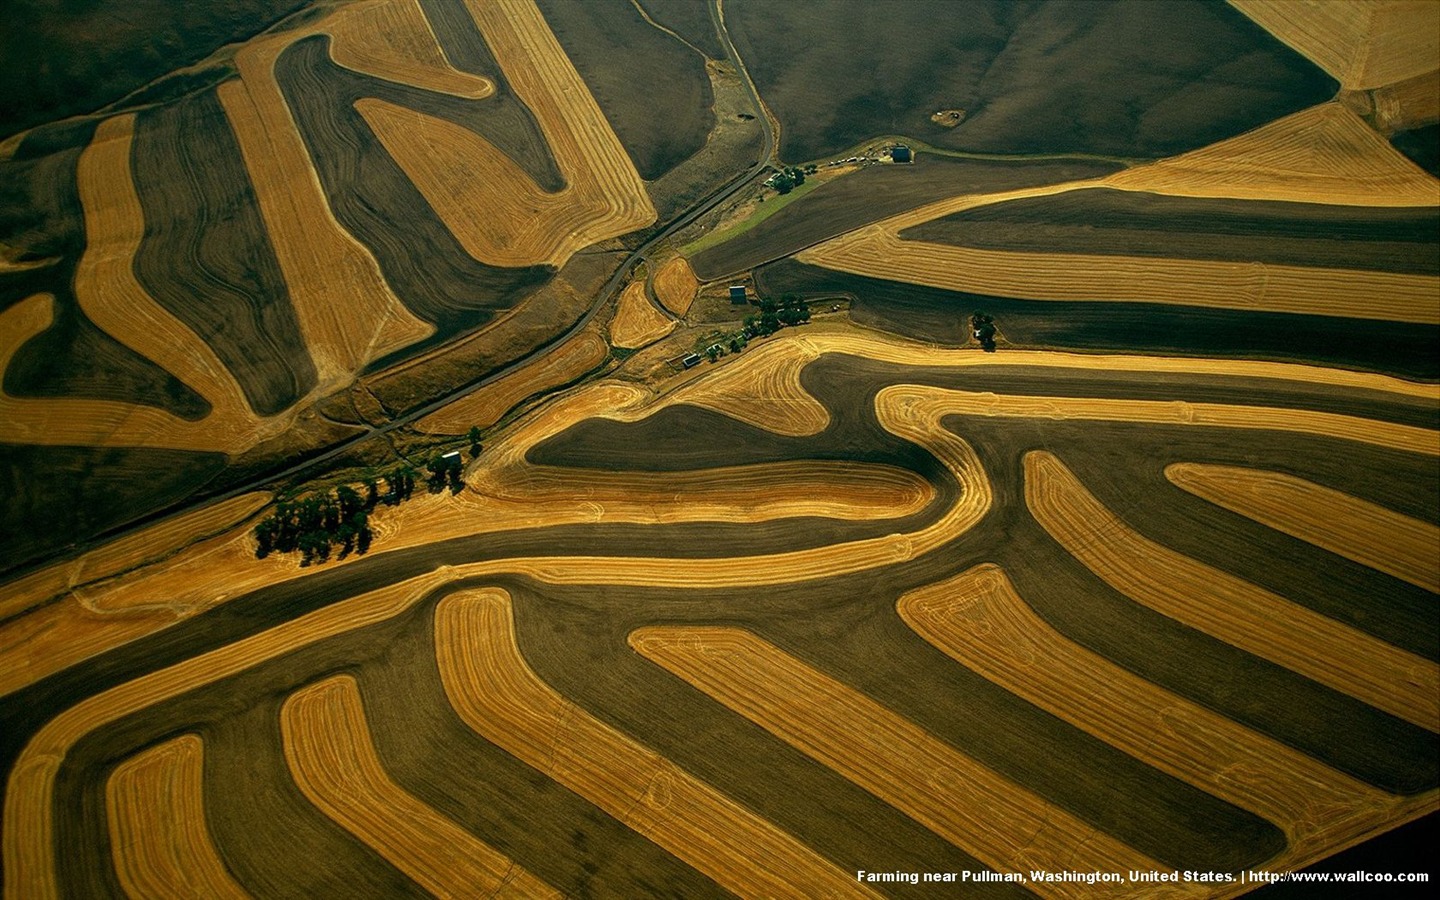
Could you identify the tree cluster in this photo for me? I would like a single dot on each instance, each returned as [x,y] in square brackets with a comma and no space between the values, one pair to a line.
[789,310]
[983,327]
[446,470]
[787,179]
[314,525]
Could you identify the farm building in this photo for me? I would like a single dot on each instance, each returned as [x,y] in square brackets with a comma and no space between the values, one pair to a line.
[737,293]
[901,154]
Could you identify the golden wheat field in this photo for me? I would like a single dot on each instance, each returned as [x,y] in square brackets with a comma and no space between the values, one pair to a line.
[675,285]
[377,531]
[637,321]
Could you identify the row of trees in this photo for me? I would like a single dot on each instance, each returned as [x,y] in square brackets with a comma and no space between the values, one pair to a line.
[316,525]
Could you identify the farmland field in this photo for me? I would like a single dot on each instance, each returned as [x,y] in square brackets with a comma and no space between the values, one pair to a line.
[401,502]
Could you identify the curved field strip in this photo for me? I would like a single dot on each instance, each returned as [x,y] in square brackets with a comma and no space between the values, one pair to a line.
[329,751]
[675,285]
[834,489]
[208,574]
[28,821]
[1001,823]
[1225,607]
[113,298]
[1361,45]
[1353,528]
[496,693]
[978,619]
[637,322]
[765,392]
[496,211]
[1324,154]
[347,312]
[486,406]
[76,422]
[158,834]
[878,252]
[118,556]
[393,40]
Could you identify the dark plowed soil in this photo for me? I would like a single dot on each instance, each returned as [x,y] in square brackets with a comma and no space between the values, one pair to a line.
[40,216]
[206,256]
[1395,348]
[875,193]
[652,88]
[1127,79]
[574,637]
[1131,223]
[371,196]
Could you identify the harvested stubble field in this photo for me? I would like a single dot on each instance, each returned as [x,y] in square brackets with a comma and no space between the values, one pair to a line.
[1361,45]
[197,275]
[637,321]
[557,645]
[486,406]
[675,285]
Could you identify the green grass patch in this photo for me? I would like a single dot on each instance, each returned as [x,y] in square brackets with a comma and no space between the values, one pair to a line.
[763,211]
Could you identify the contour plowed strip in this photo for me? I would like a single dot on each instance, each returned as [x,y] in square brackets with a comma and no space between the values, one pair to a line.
[330,753]
[1225,607]
[963,801]
[978,619]
[637,322]
[158,836]
[347,312]
[878,252]
[393,40]
[675,285]
[496,693]
[1353,528]
[765,392]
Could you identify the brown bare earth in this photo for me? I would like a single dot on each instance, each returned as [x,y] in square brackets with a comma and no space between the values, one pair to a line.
[330,753]
[978,619]
[637,322]
[973,807]
[30,851]
[1369,534]
[85,422]
[156,807]
[1226,607]
[1325,154]
[485,407]
[1362,45]
[495,692]
[393,40]
[675,285]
